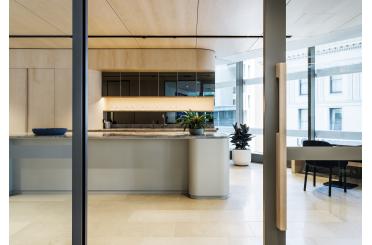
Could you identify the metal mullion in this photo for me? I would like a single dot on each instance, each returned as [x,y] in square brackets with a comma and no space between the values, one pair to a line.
[239,92]
[79,120]
[311,93]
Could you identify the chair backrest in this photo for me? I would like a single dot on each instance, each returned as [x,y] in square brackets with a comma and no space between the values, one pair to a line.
[322,143]
[315,143]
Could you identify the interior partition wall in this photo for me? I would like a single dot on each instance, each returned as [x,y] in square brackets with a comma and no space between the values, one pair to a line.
[273,53]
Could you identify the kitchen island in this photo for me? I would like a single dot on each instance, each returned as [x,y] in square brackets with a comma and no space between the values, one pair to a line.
[139,162]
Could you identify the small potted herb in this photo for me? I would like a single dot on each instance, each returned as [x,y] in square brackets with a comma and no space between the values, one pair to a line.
[241,155]
[194,122]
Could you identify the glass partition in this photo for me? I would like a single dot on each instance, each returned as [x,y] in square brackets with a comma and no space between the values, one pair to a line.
[225,98]
[40,113]
[338,94]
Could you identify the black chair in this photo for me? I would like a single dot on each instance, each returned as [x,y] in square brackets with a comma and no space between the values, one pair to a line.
[330,165]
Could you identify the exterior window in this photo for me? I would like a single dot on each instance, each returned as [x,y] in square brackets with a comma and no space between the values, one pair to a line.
[302,119]
[335,85]
[335,119]
[303,87]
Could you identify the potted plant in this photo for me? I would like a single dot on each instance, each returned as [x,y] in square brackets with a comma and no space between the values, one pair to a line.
[241,155]
[194,122]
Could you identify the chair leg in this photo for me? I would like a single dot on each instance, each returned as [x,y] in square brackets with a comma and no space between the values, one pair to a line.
[314,177]
[345,183]
[330,182]
[306,172]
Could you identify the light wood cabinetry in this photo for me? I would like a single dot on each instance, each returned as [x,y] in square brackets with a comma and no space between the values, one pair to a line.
[63,98]
[40,98]
[17,101]
[95,102]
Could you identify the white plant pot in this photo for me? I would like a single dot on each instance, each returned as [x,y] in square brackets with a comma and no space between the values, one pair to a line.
[241,157]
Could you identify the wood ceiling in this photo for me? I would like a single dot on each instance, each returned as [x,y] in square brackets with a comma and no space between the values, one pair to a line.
[174,17]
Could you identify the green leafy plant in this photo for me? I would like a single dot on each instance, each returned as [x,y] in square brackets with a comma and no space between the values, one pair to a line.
[193,120]
[241,137]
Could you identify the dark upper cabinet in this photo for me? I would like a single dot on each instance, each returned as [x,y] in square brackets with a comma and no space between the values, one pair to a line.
[158,84]
[187,84]
[111,84]
[130,84]
[149,84]
[167,84]
[207,81]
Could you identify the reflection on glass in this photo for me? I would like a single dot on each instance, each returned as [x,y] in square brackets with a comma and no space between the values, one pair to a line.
[170,88]
[188,88]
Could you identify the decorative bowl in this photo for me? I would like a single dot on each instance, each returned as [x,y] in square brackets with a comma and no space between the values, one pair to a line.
[49,131]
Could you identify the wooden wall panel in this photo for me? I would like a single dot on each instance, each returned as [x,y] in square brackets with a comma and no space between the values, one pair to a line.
[63,98]
[95,101]
[40,98]
[118,59]
[17,101]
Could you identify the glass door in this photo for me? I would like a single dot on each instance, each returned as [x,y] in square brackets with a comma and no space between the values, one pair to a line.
[40,122]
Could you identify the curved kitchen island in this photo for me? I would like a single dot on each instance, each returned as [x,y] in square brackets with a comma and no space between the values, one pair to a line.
[138,162]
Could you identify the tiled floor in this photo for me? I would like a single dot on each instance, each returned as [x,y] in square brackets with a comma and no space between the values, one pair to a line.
[114,218]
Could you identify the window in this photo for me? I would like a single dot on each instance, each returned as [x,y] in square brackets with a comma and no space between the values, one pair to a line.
[302,119]
[335,85]
[335,119]
[303,87]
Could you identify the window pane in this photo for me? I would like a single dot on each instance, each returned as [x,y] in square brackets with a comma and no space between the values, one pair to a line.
[296,96]
[225,108]
[338,92]
[253,101]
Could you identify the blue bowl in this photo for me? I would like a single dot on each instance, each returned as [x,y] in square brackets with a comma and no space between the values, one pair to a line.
[49,131]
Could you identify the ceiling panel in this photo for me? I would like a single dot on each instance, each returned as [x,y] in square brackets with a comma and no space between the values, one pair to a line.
[40,43]
[310,18]
[23,21]
[238,17]
[167,42]
[158,17]
[102,19]
[224,47]
[56,12]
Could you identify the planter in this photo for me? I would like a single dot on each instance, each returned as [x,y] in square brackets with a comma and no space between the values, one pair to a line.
[196,131]
[241,157]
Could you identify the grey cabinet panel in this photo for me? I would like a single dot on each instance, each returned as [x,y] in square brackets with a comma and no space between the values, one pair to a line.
[111,84]
[131,84]
[149,83]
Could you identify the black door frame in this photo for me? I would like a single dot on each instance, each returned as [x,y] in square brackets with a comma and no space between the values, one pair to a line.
[79,121]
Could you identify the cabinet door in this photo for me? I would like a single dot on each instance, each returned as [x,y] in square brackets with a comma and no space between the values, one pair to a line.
[207,83]
[40,98]
[187,84]
[111,84]
[131,79]
[149,82]
[17,101]
[168,84]
[63,98]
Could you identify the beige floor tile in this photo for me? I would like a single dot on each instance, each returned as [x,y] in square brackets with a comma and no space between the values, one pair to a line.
[119,218]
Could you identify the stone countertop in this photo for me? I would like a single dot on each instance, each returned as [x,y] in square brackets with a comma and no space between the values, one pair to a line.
[127,135]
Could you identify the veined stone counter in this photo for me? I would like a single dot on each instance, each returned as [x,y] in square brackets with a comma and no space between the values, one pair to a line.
[125,161]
